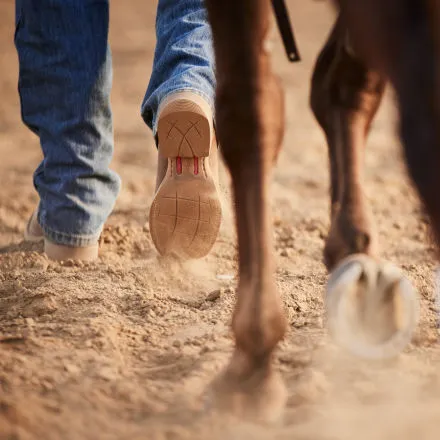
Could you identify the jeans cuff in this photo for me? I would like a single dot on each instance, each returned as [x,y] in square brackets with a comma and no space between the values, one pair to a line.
[69,239]
[66,239]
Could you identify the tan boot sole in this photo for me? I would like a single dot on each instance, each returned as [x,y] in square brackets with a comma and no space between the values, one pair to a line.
[185,214]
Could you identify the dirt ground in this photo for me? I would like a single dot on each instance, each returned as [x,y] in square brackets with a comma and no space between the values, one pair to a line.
[124,348]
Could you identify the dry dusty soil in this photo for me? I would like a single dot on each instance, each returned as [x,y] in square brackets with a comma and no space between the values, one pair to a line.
[124,348]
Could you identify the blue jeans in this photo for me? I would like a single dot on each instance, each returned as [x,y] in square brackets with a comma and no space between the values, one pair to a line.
[65,81]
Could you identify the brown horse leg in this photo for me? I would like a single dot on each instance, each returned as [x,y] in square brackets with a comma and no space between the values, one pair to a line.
[345,96]
[402,39]
[250,124]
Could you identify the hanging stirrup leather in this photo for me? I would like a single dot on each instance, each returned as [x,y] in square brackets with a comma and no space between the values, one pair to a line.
[286,31]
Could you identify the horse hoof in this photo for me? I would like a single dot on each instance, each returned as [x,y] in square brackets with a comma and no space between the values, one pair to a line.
[372,309]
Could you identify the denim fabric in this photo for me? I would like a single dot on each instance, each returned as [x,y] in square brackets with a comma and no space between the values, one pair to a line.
[64,85]
[184,57]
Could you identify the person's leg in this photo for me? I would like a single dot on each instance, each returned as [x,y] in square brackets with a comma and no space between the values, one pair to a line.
[64,85]
[185,214]
[184,57]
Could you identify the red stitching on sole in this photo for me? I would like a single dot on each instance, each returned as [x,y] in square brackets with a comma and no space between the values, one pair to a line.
[196,165]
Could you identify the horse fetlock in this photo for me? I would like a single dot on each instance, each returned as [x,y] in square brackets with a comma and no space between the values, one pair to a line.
[258,330]
[348,236]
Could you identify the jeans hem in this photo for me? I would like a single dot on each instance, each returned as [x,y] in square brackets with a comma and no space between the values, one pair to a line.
[72,240]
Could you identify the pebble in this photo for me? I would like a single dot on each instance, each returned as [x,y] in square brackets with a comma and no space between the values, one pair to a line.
[72,369]
[214,295]
[30,321]
[225,276]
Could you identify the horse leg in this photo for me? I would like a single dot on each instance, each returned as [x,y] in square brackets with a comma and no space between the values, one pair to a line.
[402,39]
[345,96]
[250,122]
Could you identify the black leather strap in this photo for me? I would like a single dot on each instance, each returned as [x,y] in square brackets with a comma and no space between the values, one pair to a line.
[286,31]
